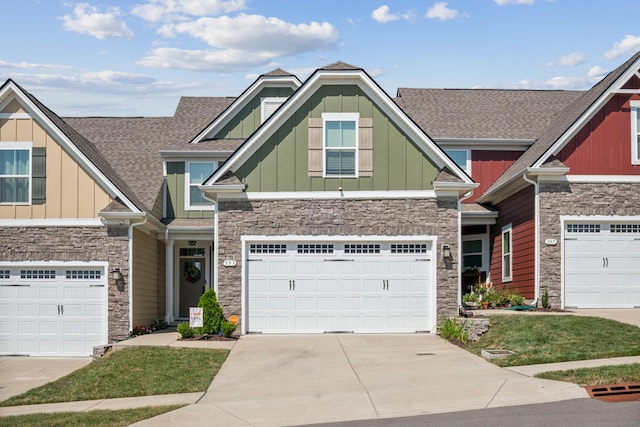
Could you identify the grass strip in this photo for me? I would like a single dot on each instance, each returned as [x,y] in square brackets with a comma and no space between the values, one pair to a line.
[596,376]
[138,371]
[557,338]
[98,418]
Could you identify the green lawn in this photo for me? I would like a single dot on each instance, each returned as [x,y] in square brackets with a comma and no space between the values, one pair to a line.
[138,371]
[98,418]
[549,338]
[596,376]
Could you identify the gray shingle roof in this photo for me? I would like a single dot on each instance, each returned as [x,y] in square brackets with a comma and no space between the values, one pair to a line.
[563,121]
[278,72]
[132,145]
[88,149]
[339,65]
[483,113]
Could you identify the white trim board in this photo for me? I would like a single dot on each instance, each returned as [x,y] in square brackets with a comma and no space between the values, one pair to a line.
[604,179]
[65,222]
[330,195]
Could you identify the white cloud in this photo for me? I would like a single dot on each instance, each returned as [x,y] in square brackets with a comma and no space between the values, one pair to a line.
[90,20]
[442,12]
[625,47]
[32,66]
[594,75]
[172,10]
[506,2]
[383,16]
[569,60]
[597,71]
[239,42]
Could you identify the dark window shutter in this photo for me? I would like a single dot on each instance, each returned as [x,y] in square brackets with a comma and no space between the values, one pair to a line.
[38,175]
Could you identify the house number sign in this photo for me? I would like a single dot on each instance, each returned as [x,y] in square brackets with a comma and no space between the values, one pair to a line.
[551,242]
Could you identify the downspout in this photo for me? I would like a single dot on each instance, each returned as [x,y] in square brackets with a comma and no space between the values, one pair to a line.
[536,234]
[130,285]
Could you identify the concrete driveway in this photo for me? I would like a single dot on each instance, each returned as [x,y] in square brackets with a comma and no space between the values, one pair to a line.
[271,380]
[19,374]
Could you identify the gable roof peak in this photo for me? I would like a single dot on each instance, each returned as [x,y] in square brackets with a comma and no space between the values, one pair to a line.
[339,65]
[278,72]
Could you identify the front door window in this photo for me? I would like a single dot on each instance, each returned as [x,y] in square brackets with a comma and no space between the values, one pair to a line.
[192,278]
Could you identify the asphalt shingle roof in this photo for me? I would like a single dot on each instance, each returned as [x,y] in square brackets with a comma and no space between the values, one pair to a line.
[563,120]
[483,113]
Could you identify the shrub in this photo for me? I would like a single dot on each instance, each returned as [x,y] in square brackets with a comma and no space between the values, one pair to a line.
[515,299]
[452,329]
[159,324]
[227,328]
[544,300]
[211,312]
[185,330]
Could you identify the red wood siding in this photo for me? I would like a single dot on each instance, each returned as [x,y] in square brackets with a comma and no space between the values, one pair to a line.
[603,146]
[487,166]
[518,211]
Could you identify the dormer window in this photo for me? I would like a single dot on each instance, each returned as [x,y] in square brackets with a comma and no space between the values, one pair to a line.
[195,175]
[269,105]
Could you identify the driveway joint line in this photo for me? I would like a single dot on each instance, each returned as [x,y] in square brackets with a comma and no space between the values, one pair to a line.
[358,377]
[496,393]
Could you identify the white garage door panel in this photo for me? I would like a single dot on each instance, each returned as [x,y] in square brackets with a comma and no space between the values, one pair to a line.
[52,311]
[602,265]
[345,287]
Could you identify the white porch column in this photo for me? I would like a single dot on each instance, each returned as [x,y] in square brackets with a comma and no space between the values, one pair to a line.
[169,281]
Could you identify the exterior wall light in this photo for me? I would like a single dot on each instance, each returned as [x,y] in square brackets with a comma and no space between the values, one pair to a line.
[116,274]
[446,251]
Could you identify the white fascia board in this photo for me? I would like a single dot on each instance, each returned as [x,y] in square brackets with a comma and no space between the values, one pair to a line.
[331,195]
[588,114]
[237,105]
[120,218]
[71,148]
[213,190]
[485,144]
[548,171]
[178,155]
[449,189]
[63,222]
[352,77]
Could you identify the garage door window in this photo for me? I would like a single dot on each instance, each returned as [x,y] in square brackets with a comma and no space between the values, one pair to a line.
[83,274]
[625,228]
[409,248]
[38,274]
[583,228]
[358,248]
[266,248]
[315,248]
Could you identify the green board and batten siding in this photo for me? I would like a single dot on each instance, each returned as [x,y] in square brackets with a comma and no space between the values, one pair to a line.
[281,163]
[243,124]
[176,192]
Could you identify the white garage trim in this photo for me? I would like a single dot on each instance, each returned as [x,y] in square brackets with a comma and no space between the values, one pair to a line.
[247,239]
[56,277]
[604,222]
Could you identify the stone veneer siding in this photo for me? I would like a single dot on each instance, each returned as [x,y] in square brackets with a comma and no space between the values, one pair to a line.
[397,217]
[77,244]
[564,198]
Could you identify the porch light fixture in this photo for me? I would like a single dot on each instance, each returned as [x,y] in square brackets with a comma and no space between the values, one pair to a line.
[116,274]
[446,251]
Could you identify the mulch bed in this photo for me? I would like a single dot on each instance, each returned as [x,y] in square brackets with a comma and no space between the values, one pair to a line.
[207,337]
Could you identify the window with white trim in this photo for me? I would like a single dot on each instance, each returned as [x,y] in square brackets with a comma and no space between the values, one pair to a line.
[194,175]
[507,253]
[15,173]
[635,132]
[340,144]
[269,105]
[462,158]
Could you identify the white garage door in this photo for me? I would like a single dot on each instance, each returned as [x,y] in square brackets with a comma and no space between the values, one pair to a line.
[330,287]
[602,265]
[52,311]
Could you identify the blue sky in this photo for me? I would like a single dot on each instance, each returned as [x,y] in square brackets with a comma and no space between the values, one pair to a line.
[136,58]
